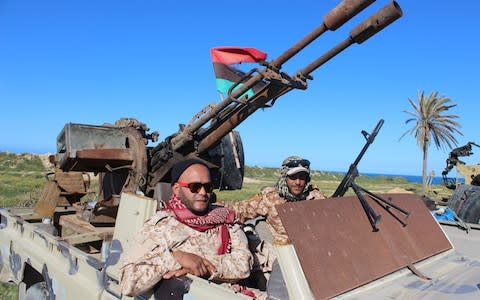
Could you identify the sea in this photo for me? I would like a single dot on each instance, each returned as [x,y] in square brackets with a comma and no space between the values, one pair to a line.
[414,179]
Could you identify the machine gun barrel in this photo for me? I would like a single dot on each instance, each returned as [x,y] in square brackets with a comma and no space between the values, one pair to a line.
[381,19]
[359,34]
[233,110]
[352,170]
[343,12]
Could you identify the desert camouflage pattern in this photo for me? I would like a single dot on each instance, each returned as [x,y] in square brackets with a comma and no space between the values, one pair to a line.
[282,186]
[149,255]
[263,204]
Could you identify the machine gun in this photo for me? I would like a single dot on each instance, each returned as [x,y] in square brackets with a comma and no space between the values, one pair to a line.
[348,181]
[352,173]
[193,140]
[119,152]
[453,160]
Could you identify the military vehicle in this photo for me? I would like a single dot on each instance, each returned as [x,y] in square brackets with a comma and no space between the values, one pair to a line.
[342,247]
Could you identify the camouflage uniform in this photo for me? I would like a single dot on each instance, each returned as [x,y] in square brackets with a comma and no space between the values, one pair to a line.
[150,255]
[263,204]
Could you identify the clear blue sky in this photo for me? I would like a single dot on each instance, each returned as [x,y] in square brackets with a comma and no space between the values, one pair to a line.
[96,61]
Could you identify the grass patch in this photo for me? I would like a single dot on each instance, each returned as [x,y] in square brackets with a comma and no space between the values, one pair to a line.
[258,177]
[22,177]
[8,291]
[20,162]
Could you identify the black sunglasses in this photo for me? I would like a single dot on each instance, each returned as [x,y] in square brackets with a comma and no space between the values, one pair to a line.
[297,162]
[195,187]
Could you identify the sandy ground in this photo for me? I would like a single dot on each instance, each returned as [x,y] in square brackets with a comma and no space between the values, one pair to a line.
[44,158]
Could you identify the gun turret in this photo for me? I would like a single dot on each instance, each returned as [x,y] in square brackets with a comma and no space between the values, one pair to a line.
[119,152]
[454,161]
[195,141]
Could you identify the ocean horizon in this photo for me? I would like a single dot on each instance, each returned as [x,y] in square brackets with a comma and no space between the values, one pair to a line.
[437,180]
[413,178]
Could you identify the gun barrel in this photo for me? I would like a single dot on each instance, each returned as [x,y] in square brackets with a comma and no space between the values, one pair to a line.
[179,140]
[343,12]
[375,23]
[370,139]
[237,107]
[353,171]
[376,130]
[474,144]
[381,19]
[239,116]
[332,20]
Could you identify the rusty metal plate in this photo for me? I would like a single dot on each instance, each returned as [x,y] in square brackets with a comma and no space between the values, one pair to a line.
[95,160]
[338,249]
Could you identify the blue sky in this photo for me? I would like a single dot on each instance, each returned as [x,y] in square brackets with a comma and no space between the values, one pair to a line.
[94,62]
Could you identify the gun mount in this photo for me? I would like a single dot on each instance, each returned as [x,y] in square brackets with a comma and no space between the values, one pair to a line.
[469,172]
[229,113]
[465,199]
[120,152]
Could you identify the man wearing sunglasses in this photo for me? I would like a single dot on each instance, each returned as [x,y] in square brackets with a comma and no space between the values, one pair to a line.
[189,235]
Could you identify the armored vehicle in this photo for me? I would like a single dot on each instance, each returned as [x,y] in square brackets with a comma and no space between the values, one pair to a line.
[65,248]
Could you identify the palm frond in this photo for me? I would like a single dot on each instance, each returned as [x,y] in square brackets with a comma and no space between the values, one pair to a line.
[431,124]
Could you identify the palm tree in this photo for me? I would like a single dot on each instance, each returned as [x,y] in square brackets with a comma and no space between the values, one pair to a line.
[430,125]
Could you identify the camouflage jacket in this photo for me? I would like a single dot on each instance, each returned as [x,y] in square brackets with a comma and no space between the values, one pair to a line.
[150,254]
[263,204]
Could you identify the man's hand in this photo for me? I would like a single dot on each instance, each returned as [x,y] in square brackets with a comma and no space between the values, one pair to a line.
[191,263]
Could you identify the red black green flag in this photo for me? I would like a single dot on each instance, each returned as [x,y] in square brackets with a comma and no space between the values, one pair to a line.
[226,75]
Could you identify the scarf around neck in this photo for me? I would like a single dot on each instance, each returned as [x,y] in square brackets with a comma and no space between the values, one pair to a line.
[217,218]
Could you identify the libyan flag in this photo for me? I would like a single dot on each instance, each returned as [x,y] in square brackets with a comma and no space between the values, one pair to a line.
[226,74]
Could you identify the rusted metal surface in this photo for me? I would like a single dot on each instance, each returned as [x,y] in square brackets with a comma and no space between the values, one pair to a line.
[138,174]
[338,249]
[96,160]
[45,207]
[81,137]
[72,182]
[381,19]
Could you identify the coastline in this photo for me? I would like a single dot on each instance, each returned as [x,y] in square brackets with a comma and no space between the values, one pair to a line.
[413,179]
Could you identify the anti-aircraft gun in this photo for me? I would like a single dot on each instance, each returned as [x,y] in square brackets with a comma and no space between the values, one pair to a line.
[465,200]
[469,173]
[130,166]
[132,173]
[226,115]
